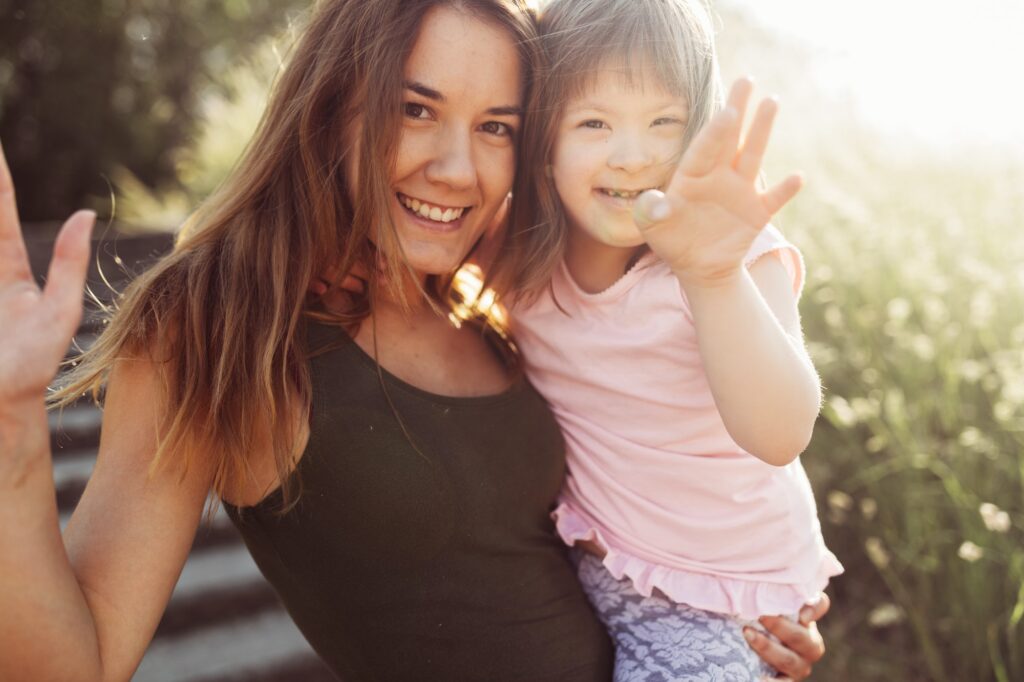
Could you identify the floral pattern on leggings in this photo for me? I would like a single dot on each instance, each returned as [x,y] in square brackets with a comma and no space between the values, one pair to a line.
[657,640]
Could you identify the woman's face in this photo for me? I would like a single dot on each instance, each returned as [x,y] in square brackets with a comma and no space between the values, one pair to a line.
[456,153]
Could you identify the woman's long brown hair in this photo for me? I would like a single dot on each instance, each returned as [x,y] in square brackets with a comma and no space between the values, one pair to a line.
[221,314]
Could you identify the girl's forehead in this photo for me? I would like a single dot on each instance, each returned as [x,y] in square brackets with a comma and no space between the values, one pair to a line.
[623,81]
[627,75]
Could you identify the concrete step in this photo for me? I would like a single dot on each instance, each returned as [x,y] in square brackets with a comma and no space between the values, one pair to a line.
[236,651]
[74,428]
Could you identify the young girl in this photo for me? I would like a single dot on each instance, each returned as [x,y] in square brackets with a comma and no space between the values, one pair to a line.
[668,342]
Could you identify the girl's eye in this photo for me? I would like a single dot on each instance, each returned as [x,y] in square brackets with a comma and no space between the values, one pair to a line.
[666,121]
[498,128]
[413,110]
[593,123]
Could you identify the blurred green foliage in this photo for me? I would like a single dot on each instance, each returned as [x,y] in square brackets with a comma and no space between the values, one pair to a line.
[913,313]
[87,86]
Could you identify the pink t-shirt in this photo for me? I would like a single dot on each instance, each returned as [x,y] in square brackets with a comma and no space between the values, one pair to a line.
[654,477]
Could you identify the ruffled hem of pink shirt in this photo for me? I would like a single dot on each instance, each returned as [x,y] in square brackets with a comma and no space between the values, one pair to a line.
[747,599]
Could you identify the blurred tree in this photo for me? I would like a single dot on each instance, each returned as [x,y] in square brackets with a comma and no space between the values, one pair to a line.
[90,85]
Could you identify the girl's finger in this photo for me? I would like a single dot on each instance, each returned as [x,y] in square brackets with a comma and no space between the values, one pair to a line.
[706,148]
[739,96]
[779,195]
[13,256]
[748,163]
[66,277]
[651,207]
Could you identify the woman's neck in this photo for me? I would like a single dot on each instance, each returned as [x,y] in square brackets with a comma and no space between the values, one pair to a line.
[595,266]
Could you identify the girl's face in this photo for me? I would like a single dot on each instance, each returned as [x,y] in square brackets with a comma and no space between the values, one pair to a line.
[615,141]
[456,153]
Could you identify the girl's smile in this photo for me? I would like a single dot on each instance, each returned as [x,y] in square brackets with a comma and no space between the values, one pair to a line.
[620,198]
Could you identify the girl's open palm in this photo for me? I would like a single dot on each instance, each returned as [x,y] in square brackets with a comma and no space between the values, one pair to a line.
[713,208]
[36,325]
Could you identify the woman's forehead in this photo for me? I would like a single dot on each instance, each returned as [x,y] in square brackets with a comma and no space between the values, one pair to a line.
[461,56]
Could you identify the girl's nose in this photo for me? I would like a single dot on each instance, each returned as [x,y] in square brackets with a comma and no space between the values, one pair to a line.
[453,164]
[630,154]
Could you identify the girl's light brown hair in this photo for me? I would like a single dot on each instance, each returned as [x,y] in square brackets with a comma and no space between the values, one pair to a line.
[671,40]
[221,314]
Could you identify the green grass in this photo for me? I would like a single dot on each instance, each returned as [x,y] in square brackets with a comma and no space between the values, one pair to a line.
[913,312]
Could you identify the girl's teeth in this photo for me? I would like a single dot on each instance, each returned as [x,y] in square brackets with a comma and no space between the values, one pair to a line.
[415,204]
[435,213]
[424,210]
[447,215]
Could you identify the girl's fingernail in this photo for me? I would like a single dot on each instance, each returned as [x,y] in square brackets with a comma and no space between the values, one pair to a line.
[653,205]
[748,635]
[660,209]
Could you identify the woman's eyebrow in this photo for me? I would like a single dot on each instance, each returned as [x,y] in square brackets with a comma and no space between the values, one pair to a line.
[432,94]
[505,111]
[423,90]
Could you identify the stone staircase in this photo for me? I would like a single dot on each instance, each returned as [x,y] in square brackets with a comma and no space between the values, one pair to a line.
[224,622]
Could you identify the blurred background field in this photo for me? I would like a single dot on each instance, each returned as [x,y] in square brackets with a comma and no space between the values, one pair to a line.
[903,119]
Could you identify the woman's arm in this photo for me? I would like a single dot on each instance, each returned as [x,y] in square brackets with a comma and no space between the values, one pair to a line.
[796,647]
[81,607]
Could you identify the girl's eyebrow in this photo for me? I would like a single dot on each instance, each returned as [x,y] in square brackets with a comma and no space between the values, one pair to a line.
[593,105]
[432,94]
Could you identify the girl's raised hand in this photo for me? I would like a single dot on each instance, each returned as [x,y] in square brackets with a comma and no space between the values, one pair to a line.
[713,209]
[36,325]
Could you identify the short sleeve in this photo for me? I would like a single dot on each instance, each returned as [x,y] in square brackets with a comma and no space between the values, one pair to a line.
[772,241]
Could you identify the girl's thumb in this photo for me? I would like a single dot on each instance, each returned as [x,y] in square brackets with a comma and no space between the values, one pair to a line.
[651,207]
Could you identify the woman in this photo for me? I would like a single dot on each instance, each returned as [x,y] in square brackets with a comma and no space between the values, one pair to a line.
[399,509]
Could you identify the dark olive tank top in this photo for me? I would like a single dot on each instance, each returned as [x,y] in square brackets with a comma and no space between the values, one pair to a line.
[438,564]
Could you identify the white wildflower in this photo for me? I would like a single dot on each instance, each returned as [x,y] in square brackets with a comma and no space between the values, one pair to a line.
[885,615]
[970,552]
[995,519]
[876,552]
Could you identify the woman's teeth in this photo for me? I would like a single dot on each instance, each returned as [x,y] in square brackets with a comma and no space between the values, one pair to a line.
[435,213]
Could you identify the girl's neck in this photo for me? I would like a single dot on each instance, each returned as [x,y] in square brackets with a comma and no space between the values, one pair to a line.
[595,266]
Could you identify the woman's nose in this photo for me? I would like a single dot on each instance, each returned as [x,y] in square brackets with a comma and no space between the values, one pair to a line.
[453,164]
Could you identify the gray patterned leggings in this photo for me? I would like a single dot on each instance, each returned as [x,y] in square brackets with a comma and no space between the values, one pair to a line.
[657,640]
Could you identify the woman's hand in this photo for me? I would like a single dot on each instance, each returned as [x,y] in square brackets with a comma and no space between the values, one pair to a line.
[710,214]
[799,644]
[37,325]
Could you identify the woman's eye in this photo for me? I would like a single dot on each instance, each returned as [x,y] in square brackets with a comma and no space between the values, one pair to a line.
[413,110]
[498,128]
[593,123]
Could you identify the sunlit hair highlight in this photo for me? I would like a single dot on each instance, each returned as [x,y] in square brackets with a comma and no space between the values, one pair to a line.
[669,40]
[221,315]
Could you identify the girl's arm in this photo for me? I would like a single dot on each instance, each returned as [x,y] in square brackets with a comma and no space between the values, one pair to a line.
[747,324]
[765,387]
[81,607]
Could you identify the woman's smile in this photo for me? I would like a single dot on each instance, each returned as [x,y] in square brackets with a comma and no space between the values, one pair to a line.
[432,215]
